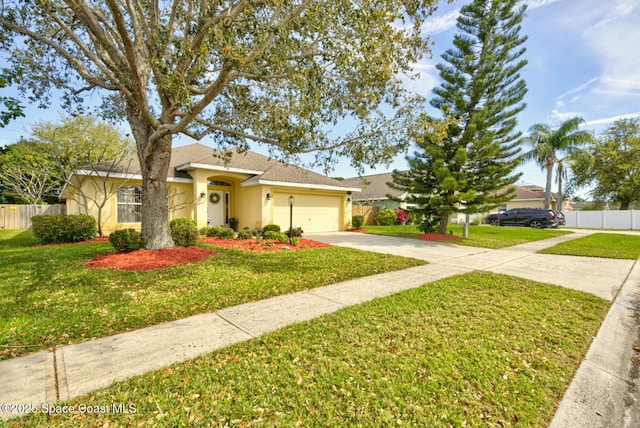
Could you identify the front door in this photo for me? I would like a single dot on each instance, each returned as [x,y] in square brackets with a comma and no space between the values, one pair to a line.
[215,208]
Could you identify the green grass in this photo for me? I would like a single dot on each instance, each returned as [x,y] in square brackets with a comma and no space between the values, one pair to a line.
[48,297]
[479,349]
[607,245]
[479,236]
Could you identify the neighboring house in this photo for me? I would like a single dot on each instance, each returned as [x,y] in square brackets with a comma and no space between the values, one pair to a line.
[375,190]
[241,189]
[529,196]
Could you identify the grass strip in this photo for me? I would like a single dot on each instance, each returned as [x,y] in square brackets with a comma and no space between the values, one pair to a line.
[605,245]
[48,297]
[479,236]
[479,349]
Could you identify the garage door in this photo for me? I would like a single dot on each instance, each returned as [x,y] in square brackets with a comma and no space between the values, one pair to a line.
[310,212]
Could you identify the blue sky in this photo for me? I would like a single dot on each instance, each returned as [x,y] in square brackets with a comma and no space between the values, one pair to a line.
[584,60]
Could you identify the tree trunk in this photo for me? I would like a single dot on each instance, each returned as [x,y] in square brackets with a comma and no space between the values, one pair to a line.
[154,157]
[444,222]
[560,199]
[547,190]
[624,205]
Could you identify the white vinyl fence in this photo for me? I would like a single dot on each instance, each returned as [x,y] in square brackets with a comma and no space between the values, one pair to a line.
[627,219]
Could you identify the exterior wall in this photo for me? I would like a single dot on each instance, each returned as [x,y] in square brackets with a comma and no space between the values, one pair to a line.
[252,207]
[86,202]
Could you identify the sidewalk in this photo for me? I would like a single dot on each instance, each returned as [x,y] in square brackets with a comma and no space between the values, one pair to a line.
[73,370]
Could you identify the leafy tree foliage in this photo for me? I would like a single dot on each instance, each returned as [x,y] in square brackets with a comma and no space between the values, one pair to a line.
[279,73]
[553,148]
[36,170]
[13,107]
[465,162]
[612,164]
[23,173]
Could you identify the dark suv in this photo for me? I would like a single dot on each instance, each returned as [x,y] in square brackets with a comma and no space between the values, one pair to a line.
[531,217]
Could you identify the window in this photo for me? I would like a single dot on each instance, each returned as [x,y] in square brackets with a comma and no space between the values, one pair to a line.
[218,183]
[129,202]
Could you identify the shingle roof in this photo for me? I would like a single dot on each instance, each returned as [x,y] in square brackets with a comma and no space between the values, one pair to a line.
[530,192]
[261,167]
[374,187]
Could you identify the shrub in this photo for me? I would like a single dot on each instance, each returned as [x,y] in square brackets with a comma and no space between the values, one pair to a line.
[297,232]
[245,234]
[271,228]
[184,232]
[387,217]
[403,217]
[277,236]
[54,229]
[220,232]
[126,240]
[357,221]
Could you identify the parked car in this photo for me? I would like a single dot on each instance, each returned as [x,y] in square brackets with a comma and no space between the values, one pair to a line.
[530,217]
[560,217]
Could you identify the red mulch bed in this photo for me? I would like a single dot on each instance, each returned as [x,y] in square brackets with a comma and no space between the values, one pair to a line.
[157,259]
[437,237]
[357,230]
[252,245]
[151,259]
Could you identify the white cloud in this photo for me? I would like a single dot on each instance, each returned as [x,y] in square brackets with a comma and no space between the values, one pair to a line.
[440,24]
[607,120]
[425,83]
[534,4]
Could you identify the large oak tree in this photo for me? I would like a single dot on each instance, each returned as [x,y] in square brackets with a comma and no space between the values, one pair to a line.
[277,72]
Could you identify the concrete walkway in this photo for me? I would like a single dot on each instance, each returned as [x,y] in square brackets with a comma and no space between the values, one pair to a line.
[602,394]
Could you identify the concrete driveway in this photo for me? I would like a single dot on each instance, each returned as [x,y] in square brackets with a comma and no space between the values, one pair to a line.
[602,277]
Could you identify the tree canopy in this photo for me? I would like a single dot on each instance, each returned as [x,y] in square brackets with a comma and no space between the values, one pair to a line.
[13,108]
[553,147]
[611,164]
[36,169]
[276,72]
[465,162]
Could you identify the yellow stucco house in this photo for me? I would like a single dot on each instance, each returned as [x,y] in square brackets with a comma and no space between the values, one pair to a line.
[238,190]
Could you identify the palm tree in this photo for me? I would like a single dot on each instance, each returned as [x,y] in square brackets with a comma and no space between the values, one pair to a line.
[551,147]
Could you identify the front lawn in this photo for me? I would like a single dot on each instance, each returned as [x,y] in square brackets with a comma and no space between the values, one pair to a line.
[606,245]
[479,236]
[479,349]
[48,297]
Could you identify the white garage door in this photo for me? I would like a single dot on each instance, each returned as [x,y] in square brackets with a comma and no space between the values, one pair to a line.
[310,212]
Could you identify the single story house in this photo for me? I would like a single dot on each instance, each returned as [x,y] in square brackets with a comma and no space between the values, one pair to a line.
[375,191]
[529,196]
[233,189]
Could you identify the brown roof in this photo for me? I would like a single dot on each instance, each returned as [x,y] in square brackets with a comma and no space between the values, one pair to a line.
[530,192]
[262,168]
[374,187]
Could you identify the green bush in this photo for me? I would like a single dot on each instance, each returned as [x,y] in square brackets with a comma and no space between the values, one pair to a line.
[277,236]
[126,240]
[387,217]
[220,232]
[54,229]
[245,234]
[184,232]
[271,228]
[357,221]
[297,232]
